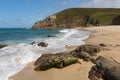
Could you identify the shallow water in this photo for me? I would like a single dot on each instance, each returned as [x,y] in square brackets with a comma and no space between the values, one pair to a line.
[15,57]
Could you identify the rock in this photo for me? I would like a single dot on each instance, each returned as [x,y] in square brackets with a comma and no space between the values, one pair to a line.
[1,46]
[59,60]
[82,55]
[85,52]
[118,45]
[43,44]
[95,74]
[51,36]
[102,45]
[90,49]
[106,69]
[85,56]
[32,43]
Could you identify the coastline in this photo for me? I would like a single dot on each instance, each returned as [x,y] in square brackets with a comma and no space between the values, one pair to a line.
[110,36]
[79,71]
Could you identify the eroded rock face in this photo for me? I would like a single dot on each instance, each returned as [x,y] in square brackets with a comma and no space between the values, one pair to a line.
[59,60]
[106,69]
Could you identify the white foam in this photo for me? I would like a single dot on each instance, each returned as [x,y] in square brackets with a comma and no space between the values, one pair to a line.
[64,30]
[14,58]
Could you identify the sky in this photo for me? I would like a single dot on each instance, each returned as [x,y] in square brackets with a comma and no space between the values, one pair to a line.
[24,13]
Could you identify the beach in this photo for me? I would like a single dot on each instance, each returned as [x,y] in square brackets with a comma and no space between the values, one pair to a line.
[108,35]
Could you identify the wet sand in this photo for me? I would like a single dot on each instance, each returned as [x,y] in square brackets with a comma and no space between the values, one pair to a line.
[108,35]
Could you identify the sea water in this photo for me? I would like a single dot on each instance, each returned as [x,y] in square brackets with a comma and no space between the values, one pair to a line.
[15,57]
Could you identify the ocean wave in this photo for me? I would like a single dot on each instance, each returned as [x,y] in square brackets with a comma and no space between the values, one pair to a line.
[15,57]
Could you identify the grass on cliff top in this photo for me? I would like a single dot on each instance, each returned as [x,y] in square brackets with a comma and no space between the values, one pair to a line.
[103,15]
[87,11]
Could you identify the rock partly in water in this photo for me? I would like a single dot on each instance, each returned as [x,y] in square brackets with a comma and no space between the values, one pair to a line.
[43,44]
[51,36]
[2,46]
[90,49]
[105,69]
[32,43]
[59,60]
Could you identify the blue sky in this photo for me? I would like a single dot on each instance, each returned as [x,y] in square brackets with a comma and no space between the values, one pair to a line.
[24,13]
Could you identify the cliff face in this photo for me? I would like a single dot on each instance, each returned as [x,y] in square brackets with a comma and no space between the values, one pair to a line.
[77,17]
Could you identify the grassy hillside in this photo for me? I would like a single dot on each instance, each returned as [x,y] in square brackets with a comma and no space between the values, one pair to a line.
[84,17]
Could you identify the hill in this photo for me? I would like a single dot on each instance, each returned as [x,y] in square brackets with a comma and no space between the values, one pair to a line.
[80,17]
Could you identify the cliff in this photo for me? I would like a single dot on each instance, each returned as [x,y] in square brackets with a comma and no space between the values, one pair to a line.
[80,17]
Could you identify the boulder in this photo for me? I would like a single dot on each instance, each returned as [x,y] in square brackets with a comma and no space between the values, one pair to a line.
[59,60]
[43,44]
[90,49]
[106,69]
[85,52]
[1,46]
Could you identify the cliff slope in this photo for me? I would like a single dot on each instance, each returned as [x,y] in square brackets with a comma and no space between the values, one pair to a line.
[80,17]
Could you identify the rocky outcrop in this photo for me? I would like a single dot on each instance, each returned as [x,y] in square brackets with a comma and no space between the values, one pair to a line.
[80,17]
[85,52]
[59,60]
[48,23]
[88,48]
[105,69]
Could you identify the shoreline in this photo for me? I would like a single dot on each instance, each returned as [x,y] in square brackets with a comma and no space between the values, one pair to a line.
[24,53]
[108,36]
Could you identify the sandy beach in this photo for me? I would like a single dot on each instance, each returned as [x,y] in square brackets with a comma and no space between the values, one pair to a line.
[108,35]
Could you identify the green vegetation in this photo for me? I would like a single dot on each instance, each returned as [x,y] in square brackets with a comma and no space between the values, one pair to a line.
[76,17]
[103,16]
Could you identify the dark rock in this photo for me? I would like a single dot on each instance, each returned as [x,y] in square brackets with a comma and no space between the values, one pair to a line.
[102,45]
[105,68]
[90,49]
[59,60]
[85,52]
[43,44]
[95,74]
[32,43]
[2,46]
[51,36]
[116,20]
[118,45]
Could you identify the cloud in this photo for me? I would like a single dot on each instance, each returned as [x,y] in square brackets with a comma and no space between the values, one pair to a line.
[102,4]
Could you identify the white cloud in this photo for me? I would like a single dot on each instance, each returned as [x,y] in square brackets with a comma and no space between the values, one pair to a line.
[102,4]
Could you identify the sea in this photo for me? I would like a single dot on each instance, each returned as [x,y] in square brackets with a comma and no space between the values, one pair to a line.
[20,51]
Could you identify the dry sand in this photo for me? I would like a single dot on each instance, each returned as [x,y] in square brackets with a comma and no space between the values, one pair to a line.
[109,35]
